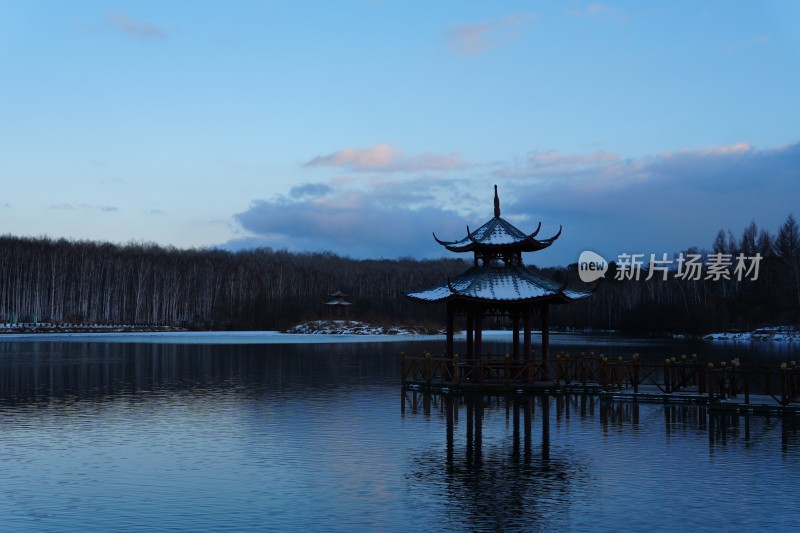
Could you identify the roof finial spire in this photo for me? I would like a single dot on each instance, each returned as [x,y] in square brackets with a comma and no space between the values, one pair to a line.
[496,203]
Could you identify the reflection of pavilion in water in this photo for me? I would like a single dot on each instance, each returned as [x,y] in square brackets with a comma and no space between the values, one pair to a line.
[498,481]
[521,411]
[499,469]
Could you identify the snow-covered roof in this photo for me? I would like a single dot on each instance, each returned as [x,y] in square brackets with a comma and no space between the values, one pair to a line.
[499,283]
[498,233]
[338,301]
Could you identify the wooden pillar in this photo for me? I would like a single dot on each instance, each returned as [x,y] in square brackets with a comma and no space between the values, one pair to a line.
[545,427]
[449,408]
[470,333]
[515,340]
[470,431]
[478,335]
[545,312]
[515,440]
[449,348]
[478,429]
[526,342]
[527,414]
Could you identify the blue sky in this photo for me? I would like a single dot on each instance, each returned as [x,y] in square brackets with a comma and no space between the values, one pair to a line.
[360,127]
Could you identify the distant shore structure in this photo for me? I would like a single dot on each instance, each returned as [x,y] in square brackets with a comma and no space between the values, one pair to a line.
[337,304]
[499,284]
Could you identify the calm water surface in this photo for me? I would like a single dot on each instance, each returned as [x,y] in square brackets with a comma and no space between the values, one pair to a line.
[226,434]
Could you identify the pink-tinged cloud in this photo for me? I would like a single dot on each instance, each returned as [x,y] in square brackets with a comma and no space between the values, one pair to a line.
[600,10]
[661,203]
[377,157]
[386,158]
[474,38]
[135,28]
[595,170]
[605,171]
[738,148]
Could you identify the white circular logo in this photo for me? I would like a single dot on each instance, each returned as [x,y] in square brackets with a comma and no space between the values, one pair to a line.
[591,266]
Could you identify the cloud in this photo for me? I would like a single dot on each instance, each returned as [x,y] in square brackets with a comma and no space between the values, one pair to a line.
[309,190]
[591,171]
[367,216]
[134,28]
[600,10]
[386,158]
[83,207]
[364,229]
[475,38]
[738,148]
[662,203]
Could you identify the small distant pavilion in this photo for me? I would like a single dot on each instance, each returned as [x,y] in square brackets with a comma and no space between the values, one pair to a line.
[338,304]
[499,284]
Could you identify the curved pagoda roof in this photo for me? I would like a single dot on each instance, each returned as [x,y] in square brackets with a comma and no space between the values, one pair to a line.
[338,299]
[499,234]
[498,275]
[496,283]
[338,302]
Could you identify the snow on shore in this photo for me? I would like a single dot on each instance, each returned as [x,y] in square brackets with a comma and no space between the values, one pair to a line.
[7,328]
[312,333]
[775,334]
[354,327]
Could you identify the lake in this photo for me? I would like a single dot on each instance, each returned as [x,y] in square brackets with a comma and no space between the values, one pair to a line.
[262,432]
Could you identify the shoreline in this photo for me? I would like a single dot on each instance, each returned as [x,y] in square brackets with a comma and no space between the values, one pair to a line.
[766,334]
[46,328]
[336,328]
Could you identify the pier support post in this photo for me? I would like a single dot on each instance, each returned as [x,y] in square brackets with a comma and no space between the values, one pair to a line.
[526,346]
[449,408]
[470,333]
[545,314]
[478,336]
[527,413]
[450,325]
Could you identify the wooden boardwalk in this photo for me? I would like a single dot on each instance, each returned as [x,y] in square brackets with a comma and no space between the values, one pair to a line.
[726,386]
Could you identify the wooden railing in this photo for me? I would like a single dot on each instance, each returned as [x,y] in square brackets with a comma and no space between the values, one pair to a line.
[782,384]
[492,369]
[673,375]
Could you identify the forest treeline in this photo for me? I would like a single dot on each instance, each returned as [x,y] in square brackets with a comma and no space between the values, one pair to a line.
[80,282]
[698,306]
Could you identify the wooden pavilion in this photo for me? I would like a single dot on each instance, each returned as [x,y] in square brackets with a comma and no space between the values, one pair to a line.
[499,284]
[338,304]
